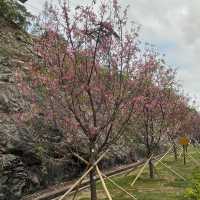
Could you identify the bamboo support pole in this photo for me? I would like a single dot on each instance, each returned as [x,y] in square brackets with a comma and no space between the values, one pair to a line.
[180,154]
[103,183]
[155,163]
[82,177]
[181,151]
[132,169]
[118,186]
[108,178]
[156,172]
[82,159]
[141,170]
[75,194]
[78,187]
[194,160]
[128,172]
[163,156]
[197,150]
[173,171]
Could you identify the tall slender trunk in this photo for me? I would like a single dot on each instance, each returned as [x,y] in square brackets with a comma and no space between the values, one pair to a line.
[151,166]
[186,148]
[175,150]
[93,174]
[151,169]
[184,154]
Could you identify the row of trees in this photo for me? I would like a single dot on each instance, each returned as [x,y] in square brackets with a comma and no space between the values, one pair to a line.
[92,80]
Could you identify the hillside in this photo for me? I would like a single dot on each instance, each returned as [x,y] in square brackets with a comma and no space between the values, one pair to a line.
[16,157]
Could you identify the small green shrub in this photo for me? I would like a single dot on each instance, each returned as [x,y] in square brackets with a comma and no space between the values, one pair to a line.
[193,192]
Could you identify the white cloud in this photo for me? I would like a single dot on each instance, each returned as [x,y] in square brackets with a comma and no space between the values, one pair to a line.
[173,22]
[172,25]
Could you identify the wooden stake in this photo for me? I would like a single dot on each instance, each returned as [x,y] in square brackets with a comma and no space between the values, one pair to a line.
[103,183]
[82,159]
[129,171]
[109,179]
[194,160]
[174,172]
[78,186]
[118,186]
[76,193]
[180,154]
[82,177]
[197,150]
[141,170]
[163,156]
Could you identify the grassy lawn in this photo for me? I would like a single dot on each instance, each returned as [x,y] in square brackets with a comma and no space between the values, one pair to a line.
[165,186]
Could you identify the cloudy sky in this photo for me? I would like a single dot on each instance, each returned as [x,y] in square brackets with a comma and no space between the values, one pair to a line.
[172,25]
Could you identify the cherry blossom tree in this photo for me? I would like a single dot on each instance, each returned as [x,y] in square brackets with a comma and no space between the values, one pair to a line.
[83,79]
[195,132]
[176,115]
[157,82]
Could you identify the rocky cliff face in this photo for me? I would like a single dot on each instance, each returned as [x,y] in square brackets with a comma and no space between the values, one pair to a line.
[27,165]
[15,177]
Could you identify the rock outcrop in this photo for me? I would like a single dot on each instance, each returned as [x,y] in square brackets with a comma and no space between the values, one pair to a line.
[18,171]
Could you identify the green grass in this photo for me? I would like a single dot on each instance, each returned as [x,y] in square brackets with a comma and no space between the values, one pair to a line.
[165,186]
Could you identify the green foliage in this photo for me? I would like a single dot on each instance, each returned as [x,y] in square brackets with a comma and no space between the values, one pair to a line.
[193,192]
[40,150]
[13,12]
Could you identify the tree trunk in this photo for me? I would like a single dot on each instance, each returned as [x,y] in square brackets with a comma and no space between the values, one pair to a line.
[186,148]
[93,175]
[175,150]
[93,185]
[184,156]
[151,169]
